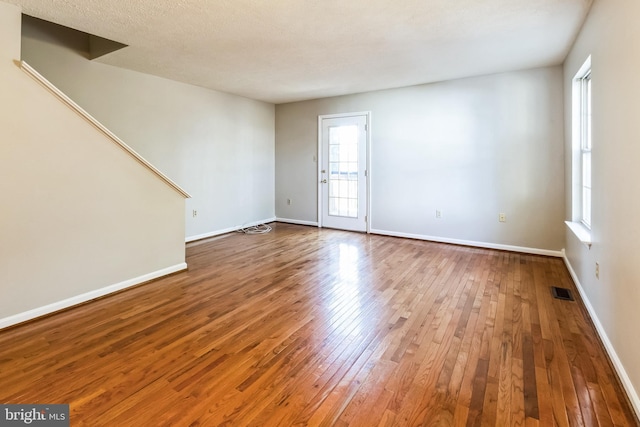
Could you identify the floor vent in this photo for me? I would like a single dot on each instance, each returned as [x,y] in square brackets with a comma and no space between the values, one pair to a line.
[561,293]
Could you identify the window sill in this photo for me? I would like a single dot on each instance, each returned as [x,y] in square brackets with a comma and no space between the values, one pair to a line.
[582,233]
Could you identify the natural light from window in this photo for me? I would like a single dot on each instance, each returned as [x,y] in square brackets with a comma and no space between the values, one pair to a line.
[585,146]
[581,174]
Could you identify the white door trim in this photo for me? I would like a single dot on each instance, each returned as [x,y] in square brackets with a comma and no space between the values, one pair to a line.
[367,115]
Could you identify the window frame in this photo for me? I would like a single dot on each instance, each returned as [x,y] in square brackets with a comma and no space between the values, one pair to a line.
[585,147]
[581,171]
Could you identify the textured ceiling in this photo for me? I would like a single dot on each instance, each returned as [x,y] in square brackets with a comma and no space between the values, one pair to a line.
[287,50]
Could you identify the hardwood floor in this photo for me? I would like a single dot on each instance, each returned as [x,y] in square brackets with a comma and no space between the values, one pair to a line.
[306,326]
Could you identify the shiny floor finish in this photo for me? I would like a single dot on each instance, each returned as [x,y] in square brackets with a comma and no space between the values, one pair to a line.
[306,326]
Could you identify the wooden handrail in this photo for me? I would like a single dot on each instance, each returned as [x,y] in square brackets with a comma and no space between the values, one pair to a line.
[89,118]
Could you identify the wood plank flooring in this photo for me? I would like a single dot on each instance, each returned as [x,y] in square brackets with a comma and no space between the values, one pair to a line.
[306,326]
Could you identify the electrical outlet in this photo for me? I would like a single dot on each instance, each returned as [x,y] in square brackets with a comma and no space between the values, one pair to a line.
[597,270]
[502,217]
[438,213]
[288,201]
[195,213]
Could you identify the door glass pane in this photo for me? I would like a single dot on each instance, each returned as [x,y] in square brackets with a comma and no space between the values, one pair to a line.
[333,189]
[343,171]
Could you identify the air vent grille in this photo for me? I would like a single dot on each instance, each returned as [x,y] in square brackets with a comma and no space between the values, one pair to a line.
[562,293]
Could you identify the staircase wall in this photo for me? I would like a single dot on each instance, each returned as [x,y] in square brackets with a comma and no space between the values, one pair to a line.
[79,216]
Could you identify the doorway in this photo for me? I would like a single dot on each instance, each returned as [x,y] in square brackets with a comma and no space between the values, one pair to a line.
[343,189]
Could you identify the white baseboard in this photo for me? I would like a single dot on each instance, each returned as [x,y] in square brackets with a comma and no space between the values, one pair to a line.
[88,296]
[534,251]
[613,356]
[227,230]
[297,221]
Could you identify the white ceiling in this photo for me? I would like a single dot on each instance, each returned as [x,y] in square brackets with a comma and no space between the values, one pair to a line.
[288,50]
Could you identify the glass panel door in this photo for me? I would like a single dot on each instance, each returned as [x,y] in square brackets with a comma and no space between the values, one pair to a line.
[343,177]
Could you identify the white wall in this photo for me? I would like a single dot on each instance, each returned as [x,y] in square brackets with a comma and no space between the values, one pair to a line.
[611,35]
[219,147]
[471,148]
[78,214]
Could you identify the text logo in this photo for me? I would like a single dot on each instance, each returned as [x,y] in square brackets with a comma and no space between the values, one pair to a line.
[34,415]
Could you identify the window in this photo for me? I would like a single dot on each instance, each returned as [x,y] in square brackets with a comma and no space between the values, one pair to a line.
[585,146]
[343,170]
[582,146]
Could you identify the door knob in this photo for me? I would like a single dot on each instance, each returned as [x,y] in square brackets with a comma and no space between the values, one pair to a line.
[324,181]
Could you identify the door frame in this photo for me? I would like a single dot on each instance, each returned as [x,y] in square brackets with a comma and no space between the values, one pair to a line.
[367,116]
